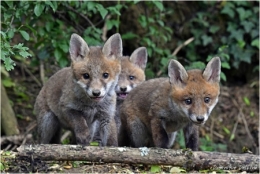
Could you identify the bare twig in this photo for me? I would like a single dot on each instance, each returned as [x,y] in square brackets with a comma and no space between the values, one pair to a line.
[8,147]
[215,133]
[235,128]
[29,72]
[241,114]
[175,52]
[42,72]
[182,45]
[15,139]
[104,29]
[65,135]
[211,128]
[85,17]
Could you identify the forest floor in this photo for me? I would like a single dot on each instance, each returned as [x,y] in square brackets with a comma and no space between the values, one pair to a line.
[233,125]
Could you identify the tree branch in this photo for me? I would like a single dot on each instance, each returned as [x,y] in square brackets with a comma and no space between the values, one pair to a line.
[182,158]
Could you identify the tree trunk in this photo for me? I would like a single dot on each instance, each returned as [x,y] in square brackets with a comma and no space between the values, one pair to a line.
[183,158]
[8,120]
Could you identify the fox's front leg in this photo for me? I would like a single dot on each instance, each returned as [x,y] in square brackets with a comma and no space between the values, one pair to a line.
[160,136]
[78,125]
[112,136]
[191,134]
[108,131]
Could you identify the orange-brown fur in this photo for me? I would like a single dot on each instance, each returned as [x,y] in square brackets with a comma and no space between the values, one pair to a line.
[132,74]
[83,104]
[156,109]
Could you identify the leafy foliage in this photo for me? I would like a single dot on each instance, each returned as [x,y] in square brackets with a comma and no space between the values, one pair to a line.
[40,31]
[227,29]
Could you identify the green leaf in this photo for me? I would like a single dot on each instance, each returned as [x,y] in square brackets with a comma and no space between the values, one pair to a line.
[103,12]
[161,23]
[226,130]
[225,65]
[24,54]
[11,33]
[142,21]
[237,34]
[164,61]
[223,76]
[232,137]
[111,23]
[252,113]
[7,82]
[114,10]
[25,35]
[177,170]
[52,4]
[2,167]
[9,3]
[247,101]
[38,9]
[57,54]
[159,5]
[196,65]
[129,35]
[228,10]
[241,43]
[255,43]
[248,26]
[3,34]
[9,64]
[243,14]
[206,40]
[214,28]
[155,169]
[94,143]
[63,62]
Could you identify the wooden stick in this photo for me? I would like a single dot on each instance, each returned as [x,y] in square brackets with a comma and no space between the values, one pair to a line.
[182,158]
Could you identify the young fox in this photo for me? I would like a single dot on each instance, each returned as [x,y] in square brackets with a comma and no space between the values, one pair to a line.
[132,74]
[82,97]
[156,109]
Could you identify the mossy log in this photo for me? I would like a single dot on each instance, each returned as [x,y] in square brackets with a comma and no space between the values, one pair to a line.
[182,158]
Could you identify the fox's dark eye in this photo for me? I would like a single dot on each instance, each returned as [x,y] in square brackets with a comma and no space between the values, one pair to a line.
[105,75]
[86,76]
[206,99]
[188,101]
[131,77]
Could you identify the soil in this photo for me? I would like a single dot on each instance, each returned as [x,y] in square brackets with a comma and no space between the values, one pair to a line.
[232,126]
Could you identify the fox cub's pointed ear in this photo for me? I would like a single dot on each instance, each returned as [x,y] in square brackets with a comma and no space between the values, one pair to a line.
[178,75]
[212,70]
[139,57]
[113,47]
[78,48]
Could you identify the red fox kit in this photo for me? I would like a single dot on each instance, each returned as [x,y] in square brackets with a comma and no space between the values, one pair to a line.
[157,108]
[132,74]
[82,96]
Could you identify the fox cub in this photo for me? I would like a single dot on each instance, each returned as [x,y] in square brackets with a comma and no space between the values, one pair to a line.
[156,109]
[132,74]
[82,97]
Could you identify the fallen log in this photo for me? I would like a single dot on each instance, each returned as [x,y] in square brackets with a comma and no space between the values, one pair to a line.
[182,158]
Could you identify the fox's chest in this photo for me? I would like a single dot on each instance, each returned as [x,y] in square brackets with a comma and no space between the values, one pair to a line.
[175,125]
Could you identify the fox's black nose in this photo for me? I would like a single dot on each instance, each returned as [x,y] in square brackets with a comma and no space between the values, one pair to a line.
[96,93]
[123,89]
[200,118]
